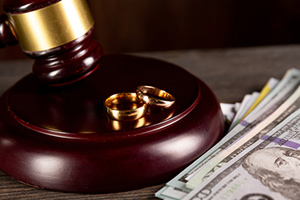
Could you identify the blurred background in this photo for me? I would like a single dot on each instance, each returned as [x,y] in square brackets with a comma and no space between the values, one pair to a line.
[157,25]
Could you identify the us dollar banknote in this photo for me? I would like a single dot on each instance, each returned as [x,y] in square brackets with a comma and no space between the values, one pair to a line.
[288,107]
[267,169]
[278,95]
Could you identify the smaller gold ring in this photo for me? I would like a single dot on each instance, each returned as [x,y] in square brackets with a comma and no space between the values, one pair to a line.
[125,106]
[155,96]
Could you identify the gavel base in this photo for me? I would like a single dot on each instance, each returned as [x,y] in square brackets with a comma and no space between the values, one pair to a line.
[60,138]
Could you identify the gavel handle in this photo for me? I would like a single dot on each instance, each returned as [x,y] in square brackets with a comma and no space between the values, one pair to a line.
[7,36]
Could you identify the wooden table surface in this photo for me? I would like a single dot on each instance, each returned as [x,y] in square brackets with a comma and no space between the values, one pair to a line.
[230,73]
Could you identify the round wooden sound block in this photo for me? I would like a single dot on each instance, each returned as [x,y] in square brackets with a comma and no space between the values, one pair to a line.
[60,138]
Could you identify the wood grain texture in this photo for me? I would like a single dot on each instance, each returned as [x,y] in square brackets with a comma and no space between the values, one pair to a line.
[129,25]
[230,73]
[135,26]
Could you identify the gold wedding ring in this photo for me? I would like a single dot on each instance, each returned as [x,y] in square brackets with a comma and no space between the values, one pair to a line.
[125,106]
[155,96]
[129,106]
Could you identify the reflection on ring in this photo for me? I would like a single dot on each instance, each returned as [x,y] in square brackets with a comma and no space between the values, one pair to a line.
[127,125]
[125,106]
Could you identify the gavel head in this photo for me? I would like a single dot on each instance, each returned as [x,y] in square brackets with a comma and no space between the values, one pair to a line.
[57,34]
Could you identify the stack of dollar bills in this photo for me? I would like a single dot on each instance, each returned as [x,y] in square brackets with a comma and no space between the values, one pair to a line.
[259,157]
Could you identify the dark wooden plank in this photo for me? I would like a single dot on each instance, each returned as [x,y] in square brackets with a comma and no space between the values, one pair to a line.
[12,189]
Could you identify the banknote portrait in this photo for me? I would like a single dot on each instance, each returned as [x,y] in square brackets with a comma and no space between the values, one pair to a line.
[256,196]
[276,167]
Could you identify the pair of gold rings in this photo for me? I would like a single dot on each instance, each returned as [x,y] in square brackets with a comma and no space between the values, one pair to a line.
[129,106]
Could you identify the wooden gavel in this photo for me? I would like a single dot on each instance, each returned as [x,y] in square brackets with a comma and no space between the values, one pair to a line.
[65,138]
[57,34]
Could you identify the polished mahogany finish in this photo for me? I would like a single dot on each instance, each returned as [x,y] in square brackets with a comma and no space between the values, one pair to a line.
[68,63]
[60,138]
[7,37]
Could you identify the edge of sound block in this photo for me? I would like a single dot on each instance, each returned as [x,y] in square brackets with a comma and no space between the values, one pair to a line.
[109,161]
